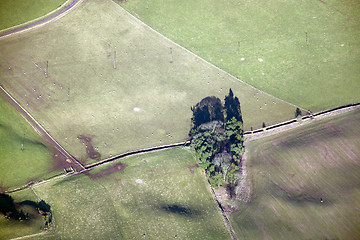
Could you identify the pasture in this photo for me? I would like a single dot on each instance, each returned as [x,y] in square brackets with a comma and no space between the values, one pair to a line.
[25,155]
[264,43]
[15,12]
[305,183]
[110,78]
[160,195]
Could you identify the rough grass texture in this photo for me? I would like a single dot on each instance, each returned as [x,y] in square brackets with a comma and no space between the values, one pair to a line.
[144,102]
[264,43]
[155,197]
[15,12]
[17,166]
[289,174]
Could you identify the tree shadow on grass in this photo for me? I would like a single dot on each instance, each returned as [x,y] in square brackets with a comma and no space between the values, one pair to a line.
[178,210]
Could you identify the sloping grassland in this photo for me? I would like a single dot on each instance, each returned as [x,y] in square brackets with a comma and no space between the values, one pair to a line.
[264,43]
[160,195]
[305,183]
[110,78]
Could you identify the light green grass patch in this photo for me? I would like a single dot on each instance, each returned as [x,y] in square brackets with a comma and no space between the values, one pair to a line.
[235,34]
[290,172]
[17,166]
[144,102]
[155,195]
[15,12]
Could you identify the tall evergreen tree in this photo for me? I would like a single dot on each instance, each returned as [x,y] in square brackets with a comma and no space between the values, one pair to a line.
[232,107]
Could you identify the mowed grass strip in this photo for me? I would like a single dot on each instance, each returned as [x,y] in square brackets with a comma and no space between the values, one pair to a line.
[151,196]
[24,154]
[291,172]
[11,228]
[140,100]
[264,43]
[15,12]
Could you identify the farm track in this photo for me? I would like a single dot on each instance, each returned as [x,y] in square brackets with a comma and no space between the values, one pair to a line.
[74,162]
[337,10]
[284,126]
[41,21]
[80,168]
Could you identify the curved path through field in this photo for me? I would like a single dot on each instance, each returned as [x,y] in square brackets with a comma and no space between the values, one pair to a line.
[337,10]
[41,21]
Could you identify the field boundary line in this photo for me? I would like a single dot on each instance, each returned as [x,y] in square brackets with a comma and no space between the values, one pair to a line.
[223,214]
[337,10]
[31,235]
[202,59]
[98,164]
[136,152]
[41,21]
[248,136]
[41,129]
[294,123]
[35,19]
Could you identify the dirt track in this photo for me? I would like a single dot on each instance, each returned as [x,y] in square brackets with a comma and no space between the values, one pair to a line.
[294,123]
[67,159]
[41,21]
[339,11]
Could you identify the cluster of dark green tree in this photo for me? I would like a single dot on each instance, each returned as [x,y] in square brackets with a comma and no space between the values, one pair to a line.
[217,137]
[10,209]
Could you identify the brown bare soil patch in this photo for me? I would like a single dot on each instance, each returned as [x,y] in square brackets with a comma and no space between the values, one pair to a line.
[191,168]
[114,168]
[90,151]
[60,161]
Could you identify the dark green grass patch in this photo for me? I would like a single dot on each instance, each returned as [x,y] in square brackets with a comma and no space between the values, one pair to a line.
[264,43]
[24,155]
[305,183]
[15,12]
[144,102]
[155,197]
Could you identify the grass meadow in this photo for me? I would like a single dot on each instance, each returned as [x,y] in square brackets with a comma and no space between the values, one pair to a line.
[17,166]
[290,172]
[16,12]
[155,197]
[264,43]
[144,102]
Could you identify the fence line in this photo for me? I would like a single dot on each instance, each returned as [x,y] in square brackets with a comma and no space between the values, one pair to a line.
[173,145]
[302,118]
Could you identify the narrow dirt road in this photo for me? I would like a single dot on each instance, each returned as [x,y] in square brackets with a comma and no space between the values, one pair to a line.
[41,21]
[75,164]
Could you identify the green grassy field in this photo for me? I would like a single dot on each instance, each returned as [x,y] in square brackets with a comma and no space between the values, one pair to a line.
[156,195]
[144,102]
[15,12]
[290,172]
[11,229]
[323,75]
[18,167]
